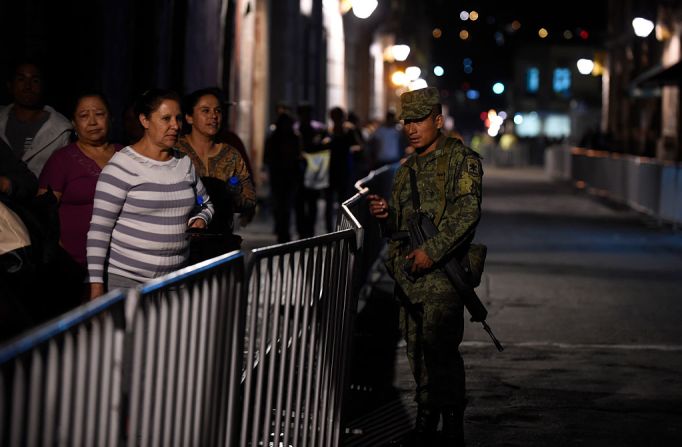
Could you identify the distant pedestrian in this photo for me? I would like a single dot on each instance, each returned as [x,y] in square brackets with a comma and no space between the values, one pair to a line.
[447,177]
[284,161]
[387,143]
[314,140]
[342,144]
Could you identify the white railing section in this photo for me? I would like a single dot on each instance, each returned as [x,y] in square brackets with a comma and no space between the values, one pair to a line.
[61,384]
[647,185]
[186,348]
[159,366]
[298,330]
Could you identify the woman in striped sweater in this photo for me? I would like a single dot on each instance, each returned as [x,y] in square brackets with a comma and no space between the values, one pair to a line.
[146,198]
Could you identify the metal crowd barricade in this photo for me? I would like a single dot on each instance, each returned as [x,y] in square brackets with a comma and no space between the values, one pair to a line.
[159,366]
[61,383]
[162,365]
[298,331]
[187,332]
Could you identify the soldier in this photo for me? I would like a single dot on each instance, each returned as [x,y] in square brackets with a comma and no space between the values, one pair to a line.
[448,180]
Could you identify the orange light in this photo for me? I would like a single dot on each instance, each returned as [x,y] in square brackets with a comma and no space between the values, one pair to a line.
[464,34]
[542,32]
[399,78]
[437,33]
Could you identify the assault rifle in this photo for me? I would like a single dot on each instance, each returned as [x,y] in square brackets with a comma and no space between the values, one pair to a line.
[421,228]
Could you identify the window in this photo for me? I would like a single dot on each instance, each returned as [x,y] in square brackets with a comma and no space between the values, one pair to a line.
[562,82]
[529,125]
[532,80]
[557,126]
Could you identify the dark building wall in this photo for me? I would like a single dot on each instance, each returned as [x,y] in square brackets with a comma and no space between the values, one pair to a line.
[121,47]
[286,43]
[204,36]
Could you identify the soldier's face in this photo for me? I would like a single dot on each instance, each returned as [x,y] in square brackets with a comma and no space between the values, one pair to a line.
[423,132]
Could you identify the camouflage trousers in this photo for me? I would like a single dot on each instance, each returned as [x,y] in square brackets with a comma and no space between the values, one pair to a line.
[433,330]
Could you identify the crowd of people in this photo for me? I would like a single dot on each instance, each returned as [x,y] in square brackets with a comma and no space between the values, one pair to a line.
[81,214]
[101,215]
[309,162]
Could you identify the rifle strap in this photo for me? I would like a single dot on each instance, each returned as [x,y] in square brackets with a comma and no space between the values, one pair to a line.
[414,190]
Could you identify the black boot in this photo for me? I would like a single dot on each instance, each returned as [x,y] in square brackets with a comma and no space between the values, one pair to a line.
[453,426]
[425,426]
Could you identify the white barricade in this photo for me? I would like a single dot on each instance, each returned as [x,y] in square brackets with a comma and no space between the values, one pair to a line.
[646,185]
[71,382]
[61,383]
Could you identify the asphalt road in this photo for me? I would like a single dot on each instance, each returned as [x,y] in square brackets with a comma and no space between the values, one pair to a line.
[585,295]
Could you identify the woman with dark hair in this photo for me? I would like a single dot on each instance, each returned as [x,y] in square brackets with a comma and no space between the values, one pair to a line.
[71,173]
[146,199]
[220,166]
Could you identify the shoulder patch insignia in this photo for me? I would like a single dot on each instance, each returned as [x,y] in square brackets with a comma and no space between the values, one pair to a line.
[473,167]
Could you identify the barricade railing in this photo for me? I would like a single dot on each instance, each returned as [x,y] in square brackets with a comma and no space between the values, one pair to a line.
[61,383]
[186,347]
[162,365]
[298,330]
[647,185]
[159,366]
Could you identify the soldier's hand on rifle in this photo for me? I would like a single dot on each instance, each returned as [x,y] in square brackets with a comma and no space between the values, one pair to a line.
[378,206]
[420,260]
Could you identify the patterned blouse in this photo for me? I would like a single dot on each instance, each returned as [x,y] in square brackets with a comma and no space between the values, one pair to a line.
[226,163]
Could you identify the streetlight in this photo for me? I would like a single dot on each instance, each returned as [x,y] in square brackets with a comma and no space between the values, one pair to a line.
[413,73]
[585,66]
[363,8]
[642,26]
[399,78]
[400,52]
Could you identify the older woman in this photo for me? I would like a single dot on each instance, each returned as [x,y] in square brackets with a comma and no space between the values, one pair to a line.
[72,172]
[220,166]
[146,198]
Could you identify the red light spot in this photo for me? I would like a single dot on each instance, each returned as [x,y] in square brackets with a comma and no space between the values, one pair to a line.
[584,34]
[465,86]
[484,116]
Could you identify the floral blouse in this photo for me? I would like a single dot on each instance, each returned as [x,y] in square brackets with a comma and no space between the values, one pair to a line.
[227,163]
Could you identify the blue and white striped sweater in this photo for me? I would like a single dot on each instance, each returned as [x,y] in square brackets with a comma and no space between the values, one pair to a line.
[141,211]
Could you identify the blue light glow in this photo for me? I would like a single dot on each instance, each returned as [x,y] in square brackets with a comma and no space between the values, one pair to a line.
[473,94]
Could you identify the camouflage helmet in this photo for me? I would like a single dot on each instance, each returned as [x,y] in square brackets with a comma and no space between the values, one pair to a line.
[418,104]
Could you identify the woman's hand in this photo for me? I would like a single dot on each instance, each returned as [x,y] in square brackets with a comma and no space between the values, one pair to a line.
[96,290]
[198,223]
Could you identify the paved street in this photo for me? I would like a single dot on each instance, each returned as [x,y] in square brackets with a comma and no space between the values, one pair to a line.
[586,297]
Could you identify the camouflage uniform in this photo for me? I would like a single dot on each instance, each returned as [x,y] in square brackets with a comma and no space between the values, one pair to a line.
[431,311]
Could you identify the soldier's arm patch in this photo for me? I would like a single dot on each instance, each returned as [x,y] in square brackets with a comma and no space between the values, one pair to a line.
[473,167]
